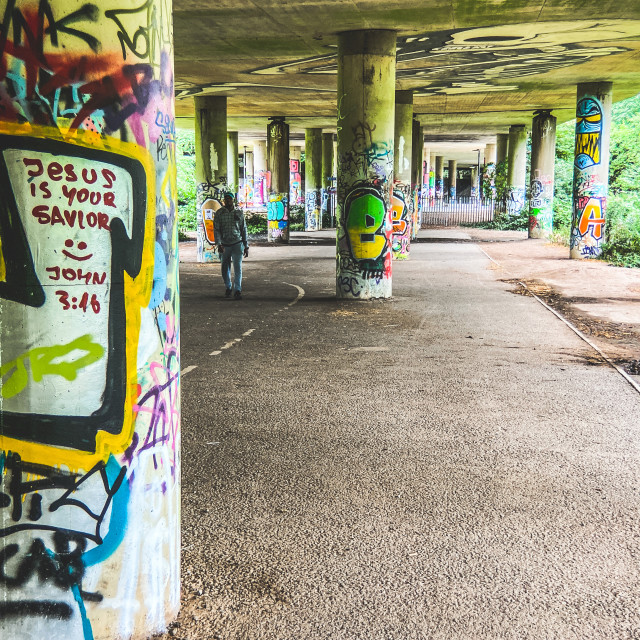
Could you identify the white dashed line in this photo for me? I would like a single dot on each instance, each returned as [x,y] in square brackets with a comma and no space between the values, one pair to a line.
[228,345]
[188,369]
[215,353]
[248,333]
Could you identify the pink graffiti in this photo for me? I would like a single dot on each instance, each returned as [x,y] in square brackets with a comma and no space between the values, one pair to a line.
[158,401]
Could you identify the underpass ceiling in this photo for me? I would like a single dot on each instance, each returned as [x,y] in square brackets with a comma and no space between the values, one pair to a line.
[476,67]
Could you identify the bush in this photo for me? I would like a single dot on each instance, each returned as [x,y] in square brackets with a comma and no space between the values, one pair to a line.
[296,217]
[256,223]
[186,166]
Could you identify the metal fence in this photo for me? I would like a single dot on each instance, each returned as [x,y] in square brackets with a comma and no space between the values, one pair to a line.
[448,212]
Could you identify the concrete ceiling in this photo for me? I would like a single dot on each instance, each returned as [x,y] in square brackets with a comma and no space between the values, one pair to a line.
[476,66]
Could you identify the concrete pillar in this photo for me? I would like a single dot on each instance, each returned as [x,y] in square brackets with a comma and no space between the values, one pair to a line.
[366,84]
[90,398]
[417,167]
[432,177]
[248,178]
[516,169]
[260,175]
[439,177]
[489,173]
[401,201]
[490,153]
[543,159]
[211,169]
[233,170]
[278,163]
[295,176]
[591,168]
[502,147]
[453,179]
[327,173]
[474,182]
[312,179]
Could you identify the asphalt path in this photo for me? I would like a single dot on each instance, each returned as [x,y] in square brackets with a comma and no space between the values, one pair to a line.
[449,463]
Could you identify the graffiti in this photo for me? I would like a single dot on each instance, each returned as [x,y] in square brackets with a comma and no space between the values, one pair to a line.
[452,193]
[88,301]
[589,224]
[167,125]
[515,200]
[209,199]
[439,188]
[38,176]
[365,221]
[278,217]
[50,361]
[262,182]
[295,180]
[540,205]
[313,221]
[401,220]
[588,133]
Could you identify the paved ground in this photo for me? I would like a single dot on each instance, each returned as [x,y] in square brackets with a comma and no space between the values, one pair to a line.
[453,463]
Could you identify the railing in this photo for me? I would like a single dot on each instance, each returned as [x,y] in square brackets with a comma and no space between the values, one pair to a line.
[447,212]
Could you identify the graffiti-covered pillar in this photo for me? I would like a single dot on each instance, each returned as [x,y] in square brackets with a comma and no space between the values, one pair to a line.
[233,169]
[211,169]
[401,201]
[591,168]
[260,174]
[417,152]
[295,177]
[474,182]
[312,179]
[278,163]
[453,179]
[366,84]
[89,326]
[439,177]
[489,171]
[248,177]
[432,177]
[543,159]
[327,175]
[516,169]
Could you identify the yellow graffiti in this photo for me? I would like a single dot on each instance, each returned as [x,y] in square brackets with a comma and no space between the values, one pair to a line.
[589,144]
[137,294]
[49,361]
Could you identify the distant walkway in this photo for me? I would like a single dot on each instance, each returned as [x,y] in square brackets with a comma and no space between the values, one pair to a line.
[453,463]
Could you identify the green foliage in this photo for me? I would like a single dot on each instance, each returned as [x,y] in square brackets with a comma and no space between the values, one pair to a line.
[500,180]
[256,223]
[623,230]
[296,217]
[186,165]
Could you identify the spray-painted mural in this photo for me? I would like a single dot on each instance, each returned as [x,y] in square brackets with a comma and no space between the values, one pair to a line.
[313,203]
[295,182]
[261,185]
[209,199]
[364,220]
[89,365]
[540,205]
[401,220]
[590,180]
[278,217]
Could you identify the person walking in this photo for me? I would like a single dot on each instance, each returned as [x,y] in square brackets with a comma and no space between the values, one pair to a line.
[230,231]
